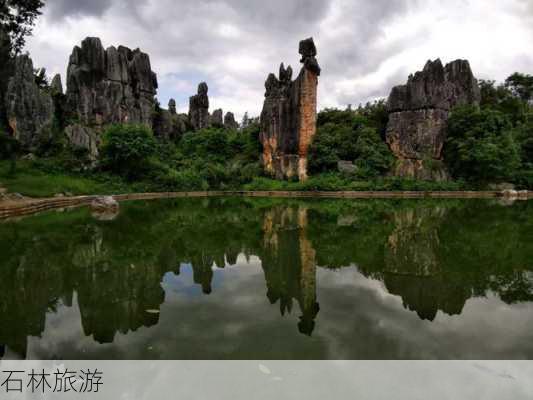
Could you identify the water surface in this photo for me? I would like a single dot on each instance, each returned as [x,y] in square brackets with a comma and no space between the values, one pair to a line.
[271,279]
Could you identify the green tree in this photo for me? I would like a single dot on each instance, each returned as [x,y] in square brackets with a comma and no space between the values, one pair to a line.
[17,18]
[521,85]
[127,149]
[481,145]
[350,135]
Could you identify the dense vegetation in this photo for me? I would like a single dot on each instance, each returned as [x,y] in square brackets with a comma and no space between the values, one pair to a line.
[489,144]
[494,142]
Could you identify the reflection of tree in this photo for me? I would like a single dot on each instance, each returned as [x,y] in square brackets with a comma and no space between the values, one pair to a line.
[412,265]
[435,258]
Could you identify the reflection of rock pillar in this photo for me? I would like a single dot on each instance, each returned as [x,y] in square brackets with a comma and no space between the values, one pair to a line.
[308,303]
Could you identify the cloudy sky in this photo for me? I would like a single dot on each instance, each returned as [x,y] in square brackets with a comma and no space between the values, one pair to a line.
[364,47]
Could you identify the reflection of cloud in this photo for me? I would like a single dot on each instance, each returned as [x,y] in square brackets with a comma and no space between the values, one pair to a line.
[487,328]
[359,320]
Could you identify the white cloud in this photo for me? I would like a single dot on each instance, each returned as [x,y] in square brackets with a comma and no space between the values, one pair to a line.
[364,47]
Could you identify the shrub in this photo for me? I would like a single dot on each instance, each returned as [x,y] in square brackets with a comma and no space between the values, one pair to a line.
[127,149]
[481,145]
[9,147]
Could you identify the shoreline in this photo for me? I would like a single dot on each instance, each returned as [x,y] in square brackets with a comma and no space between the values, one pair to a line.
[30,206]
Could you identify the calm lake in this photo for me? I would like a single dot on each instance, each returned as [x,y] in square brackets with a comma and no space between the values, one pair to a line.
[271,279]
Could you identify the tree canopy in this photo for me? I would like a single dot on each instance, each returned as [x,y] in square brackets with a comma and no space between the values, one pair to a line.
[17,18]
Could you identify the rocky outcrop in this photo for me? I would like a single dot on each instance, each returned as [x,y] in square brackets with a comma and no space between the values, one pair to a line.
[56,86]
[229,122]
[288,119]
[419,113]
[29,108]
[199,108]
[110,86]
[84,137]
[217,119]
[170,125]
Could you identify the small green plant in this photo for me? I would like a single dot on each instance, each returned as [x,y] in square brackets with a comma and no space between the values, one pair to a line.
[126,150]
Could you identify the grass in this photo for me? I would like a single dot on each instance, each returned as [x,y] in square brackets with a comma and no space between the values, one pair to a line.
[30,179]
[32,182]
[339,182]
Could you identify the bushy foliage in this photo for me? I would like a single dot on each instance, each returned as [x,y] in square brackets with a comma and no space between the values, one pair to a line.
[127,149]
[9,147]
[481,145]
[350,136]
[494,142]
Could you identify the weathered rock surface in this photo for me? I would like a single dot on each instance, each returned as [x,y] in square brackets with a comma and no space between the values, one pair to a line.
[84,137]
[347,167]
[229,121]
[110,86]
[217,119]
[104,203]
[29,109]
[56,86]
[419,113]
[170,125]
[288,120]
[199,108]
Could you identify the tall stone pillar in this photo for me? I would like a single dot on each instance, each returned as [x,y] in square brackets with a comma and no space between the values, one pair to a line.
[288,120]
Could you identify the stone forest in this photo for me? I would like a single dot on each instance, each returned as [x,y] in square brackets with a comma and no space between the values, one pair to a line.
[148,217]
[107,122]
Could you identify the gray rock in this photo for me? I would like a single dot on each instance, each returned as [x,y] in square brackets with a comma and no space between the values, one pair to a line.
[110,86]
[104,203]
[288,119]
[85,138]
[29,109]
[217,119]
[57,85]
[419,113]
[29,157]
[346,167]
[199,108]
[172,106]
[510,194]
[229,122]
[170,126]
[500,187]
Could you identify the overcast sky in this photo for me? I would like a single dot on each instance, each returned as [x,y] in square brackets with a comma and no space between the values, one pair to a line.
[364,47]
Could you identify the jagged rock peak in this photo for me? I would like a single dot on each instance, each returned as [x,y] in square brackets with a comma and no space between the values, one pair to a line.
[308,52]
[199,108]
[288,119]
[116,85]
[217,119]
[29,109]
[57,85]
[172,107]
[438,87]
[419,112]
[229,121]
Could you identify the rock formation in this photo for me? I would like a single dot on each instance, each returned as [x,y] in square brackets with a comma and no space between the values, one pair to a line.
[199,108]
[229,122]
[110,86]
[56,86]
[172,107]
[419,113]
[288,120]
[29,109]
[217,119]
[169,124]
